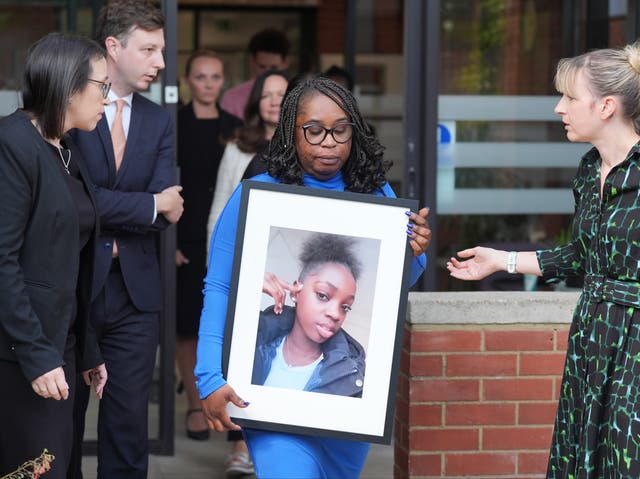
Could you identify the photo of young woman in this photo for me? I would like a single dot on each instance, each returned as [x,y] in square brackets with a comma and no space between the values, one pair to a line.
[303,345]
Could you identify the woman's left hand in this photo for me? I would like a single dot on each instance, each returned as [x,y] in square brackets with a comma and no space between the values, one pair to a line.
[418,231]
[181,259]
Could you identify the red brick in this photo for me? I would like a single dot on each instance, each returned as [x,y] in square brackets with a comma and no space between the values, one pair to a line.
[518,389]
[403,386]
[519,340]
[532,364]
[481,365]
[406,336]
[401,434]
[479,464]
[557,387]
[426,415]
[440,341]
[425,465]
[562,339]
[444,390]
[533,463]
[331,31]
[444,439]
[480,414]
[400,454]
[537,413]
[426,365]
[400,463]
[404,360]
[512,438]
[402,410]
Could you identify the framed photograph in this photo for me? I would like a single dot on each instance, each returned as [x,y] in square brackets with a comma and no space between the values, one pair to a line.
[316,310]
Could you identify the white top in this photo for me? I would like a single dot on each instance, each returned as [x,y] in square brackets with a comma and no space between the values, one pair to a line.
[281,375]
[232,166]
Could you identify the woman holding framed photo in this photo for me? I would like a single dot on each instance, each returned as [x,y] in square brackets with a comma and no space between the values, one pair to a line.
[322,141]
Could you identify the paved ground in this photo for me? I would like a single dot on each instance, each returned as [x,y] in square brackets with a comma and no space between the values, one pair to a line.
[205,459]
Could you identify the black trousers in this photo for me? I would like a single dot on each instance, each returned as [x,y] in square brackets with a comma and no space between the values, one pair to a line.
[29,424]
[128,340]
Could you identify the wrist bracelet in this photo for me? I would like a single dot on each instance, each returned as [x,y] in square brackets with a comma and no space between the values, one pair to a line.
[511,262]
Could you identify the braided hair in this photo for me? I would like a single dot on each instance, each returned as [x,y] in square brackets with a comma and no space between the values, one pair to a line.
[365,169]
[323,248]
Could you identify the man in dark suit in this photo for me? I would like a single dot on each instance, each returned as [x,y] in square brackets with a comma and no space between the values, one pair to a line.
[130,157]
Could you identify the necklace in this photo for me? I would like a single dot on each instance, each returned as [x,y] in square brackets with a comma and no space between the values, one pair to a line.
[303,361]
[64,163]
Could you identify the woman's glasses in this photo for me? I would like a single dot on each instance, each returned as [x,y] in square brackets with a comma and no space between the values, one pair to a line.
[315,134]
[104,87]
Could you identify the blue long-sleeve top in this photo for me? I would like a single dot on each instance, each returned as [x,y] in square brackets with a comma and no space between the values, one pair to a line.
[217,282]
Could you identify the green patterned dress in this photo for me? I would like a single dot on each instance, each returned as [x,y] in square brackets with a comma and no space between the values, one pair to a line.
[597,428]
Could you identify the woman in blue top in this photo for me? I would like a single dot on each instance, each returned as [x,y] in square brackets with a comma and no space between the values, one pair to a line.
[323,142]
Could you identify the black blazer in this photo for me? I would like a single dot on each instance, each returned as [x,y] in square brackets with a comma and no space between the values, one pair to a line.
[199,153]
[44,282]
[125,198]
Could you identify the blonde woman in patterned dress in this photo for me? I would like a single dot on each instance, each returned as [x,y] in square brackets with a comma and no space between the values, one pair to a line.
[597,428]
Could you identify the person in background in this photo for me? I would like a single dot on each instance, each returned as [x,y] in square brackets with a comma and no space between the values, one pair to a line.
[340,75]
[48,232]
[130,158]
[262,115]
[598,416]
[268,50]
[344,78]
[258,165]
[203,130]
[322,142]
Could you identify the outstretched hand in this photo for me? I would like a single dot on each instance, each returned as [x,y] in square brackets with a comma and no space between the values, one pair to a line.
[277,289]
[481,263]
[214,407]
[419,231]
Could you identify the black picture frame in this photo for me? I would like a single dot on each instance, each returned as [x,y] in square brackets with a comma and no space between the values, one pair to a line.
[274,221]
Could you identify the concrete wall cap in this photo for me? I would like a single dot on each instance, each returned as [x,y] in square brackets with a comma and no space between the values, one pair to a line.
[491,307]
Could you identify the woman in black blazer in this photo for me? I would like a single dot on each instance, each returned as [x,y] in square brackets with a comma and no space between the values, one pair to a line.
[47,231]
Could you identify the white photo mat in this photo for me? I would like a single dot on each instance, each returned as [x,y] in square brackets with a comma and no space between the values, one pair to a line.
[266,208]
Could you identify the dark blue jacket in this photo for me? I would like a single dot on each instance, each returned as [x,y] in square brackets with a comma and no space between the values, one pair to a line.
[125,198]
[341,371]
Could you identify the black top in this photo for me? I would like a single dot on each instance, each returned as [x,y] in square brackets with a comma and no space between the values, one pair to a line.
[257,166]
[86,212]
[201,144]
[45,279]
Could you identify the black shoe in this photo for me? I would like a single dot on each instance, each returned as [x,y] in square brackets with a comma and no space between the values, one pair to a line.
[201,435]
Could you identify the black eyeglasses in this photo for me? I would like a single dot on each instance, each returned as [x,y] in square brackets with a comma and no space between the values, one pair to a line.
[104,87]
[315,134]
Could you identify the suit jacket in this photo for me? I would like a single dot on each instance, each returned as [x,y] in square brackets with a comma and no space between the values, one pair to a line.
[125,199]
[44,283]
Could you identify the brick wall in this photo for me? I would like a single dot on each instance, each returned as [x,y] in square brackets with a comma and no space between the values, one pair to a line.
[478,398]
